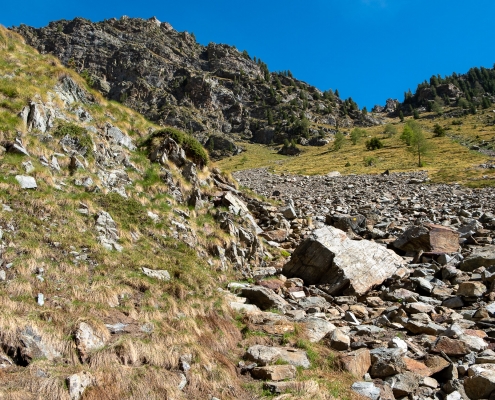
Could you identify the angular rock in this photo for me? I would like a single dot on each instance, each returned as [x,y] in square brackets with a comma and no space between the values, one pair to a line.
[265,355]
[451,347]
[32,345]
[429,238]
[366,389]
[471,289]
[436,364]
[78,383]
[317,328]
[264,298]
[386,362]
[405,383]
[328,257]
[87,339]
[480,383]
[481,257]
[339,340]
[26,182]
[357,362]
[274,372]
[160,274]
[417,367]
[245,308]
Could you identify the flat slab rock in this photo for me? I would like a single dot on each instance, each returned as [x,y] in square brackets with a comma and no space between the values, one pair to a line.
[264,298]
[160,274]
[265,355]
[274,372]
[26,182]
[430,238]
[328,257]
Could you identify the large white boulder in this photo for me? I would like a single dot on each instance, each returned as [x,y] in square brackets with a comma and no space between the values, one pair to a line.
[328,257]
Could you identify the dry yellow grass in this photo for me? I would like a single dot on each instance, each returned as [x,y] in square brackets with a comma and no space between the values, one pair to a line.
[447,160]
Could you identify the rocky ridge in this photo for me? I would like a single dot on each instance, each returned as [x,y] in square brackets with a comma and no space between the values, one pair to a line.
[216,92]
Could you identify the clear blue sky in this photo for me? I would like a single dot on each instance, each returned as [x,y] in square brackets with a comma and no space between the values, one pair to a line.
[368,49]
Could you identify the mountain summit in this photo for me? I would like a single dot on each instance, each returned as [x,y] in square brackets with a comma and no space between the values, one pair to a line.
[216,92]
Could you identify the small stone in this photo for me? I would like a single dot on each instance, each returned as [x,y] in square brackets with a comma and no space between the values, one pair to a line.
[274,372]
[162,275]
[26,182]
[451,347]
[339,340]
[366,389]
[357,362]
[78,383]
[471,289]
[41,299]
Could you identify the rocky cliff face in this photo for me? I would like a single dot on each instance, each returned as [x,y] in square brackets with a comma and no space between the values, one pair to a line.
[217,92]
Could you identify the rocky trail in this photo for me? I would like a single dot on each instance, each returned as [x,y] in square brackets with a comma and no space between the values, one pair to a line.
[393,273]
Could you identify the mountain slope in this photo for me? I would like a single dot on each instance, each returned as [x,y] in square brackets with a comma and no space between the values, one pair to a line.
[116,251]
[215,92]
[472,91]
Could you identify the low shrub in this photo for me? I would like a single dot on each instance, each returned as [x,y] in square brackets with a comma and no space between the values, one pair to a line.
[374,144]
[194,150]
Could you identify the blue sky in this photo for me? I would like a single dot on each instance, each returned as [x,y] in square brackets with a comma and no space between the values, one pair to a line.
[368,49]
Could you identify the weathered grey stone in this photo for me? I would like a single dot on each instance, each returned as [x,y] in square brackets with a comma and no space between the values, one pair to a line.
[161,274]
[481,257]
[106,229]
[120,137]
[245,308]
[317,328]
[78,383]
[405,383]
[26,182]
[265,355]
[264,298]
[453,302]
[328,257]
[386,362]
[34,345]
[366,389]
[87,339]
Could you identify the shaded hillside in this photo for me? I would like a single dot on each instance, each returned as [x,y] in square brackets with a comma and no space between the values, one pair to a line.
[216,92]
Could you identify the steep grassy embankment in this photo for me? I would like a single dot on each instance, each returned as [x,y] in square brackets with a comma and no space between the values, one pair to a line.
[449,158]
[57,279]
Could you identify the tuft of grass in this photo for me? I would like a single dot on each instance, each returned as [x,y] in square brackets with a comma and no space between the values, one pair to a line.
[194,150]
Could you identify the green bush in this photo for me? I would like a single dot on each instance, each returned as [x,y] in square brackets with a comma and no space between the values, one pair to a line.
[193,149]
[369,161]
[374,144]
[438,130]
[75,132]
[390,130]
[338,141]
[357,134]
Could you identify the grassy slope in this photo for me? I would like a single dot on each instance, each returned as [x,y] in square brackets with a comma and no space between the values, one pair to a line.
[187,314]
[447,161]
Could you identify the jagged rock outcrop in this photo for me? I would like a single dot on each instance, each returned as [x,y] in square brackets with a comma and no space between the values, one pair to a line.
[214,91]
[328,258]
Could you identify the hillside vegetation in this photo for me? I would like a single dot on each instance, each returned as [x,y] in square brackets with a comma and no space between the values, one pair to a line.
[450,158]
[81,316]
